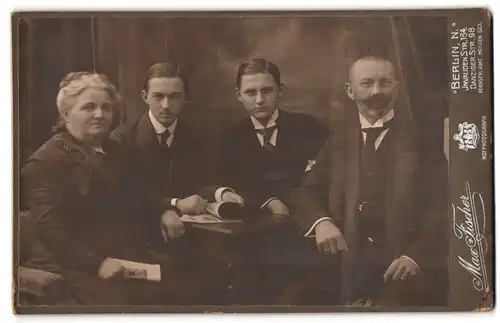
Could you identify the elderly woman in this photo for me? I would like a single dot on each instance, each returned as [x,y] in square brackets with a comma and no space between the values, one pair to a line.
[74,186]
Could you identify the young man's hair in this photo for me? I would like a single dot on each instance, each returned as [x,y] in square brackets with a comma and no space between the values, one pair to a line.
[166,69]
[256,66]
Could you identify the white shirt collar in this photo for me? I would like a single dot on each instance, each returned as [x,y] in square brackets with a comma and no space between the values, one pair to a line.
[159,128]
[270,123]
[379,123]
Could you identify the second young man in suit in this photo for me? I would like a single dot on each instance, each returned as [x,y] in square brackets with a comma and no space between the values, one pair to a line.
[267,154]
[263,157]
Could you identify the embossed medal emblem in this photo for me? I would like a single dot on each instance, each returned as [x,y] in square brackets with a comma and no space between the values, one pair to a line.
[467,136]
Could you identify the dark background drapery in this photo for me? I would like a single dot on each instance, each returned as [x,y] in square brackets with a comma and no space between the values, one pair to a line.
[313,54]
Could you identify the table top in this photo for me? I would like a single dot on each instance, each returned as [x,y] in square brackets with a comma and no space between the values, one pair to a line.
[258,224]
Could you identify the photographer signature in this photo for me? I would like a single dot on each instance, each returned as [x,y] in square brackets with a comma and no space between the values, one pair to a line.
[466,226]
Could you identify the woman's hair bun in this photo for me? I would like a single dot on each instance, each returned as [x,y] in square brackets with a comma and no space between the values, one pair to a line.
[71,77]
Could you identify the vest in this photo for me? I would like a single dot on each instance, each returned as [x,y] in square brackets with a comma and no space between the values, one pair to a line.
[274,169]
[371,207]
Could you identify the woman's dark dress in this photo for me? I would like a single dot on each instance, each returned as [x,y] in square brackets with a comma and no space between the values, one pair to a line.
[84,211]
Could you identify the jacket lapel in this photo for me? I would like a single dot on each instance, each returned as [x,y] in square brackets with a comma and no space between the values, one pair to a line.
[252,141]
[399,194]
[149,152]
[282,126]
[146,136]
[352,142]
[178,146]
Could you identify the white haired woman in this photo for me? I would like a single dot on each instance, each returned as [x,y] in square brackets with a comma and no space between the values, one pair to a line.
[75,188]
[68,182]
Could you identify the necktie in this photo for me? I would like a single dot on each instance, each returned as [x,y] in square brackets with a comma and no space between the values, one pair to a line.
[164,137]
[369,148]
[373,133]
[267,134]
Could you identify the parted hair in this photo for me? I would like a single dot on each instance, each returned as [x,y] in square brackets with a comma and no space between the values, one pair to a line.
[256,66]
[166,69]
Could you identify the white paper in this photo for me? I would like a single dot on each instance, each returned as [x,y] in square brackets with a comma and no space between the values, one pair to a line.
[138,270]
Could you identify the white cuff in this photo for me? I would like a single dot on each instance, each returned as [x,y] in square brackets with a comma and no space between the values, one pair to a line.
[266,202]
[220,191]
[173,202]
[308,233]
[154,273]
[403,256]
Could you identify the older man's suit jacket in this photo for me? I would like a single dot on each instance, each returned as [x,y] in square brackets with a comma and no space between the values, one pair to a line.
[415,194]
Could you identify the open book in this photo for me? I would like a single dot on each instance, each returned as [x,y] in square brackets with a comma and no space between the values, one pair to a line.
[216,212]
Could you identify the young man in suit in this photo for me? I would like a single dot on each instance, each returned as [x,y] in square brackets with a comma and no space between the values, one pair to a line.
[166,155]
[378,196]
[263,157]
[267,154]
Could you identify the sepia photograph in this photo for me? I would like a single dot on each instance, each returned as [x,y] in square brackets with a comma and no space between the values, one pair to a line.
[252,161]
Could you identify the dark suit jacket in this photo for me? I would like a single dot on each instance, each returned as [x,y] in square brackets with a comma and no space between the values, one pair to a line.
[186,174]
[241,165]
[415,194]
[77,202]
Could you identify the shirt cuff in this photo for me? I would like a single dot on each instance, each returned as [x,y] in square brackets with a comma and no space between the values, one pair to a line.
[266,202]
[173,202]
[220,191]
[311,229]
[403,256]
[154,273]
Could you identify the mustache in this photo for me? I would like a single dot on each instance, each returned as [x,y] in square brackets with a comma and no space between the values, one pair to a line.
[379,99]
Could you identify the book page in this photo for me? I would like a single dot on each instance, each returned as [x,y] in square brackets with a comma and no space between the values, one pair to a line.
[204,218]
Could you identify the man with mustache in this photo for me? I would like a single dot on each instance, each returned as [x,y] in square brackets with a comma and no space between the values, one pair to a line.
[377,195]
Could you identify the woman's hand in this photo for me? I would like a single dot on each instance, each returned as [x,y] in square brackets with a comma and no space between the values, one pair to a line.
[111,268]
